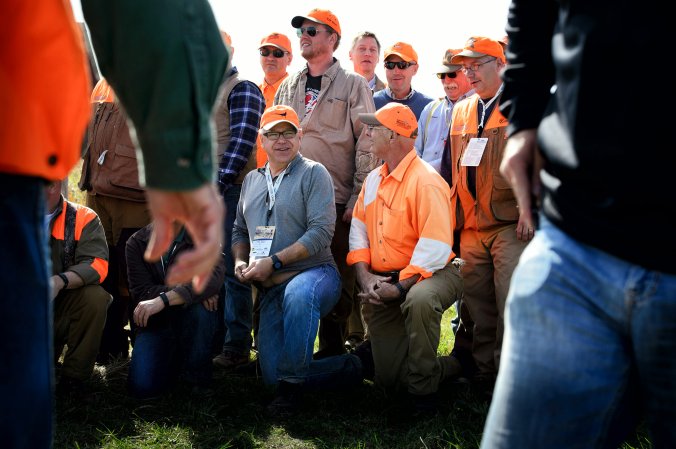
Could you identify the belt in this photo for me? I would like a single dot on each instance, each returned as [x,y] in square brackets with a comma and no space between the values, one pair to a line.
[392,274]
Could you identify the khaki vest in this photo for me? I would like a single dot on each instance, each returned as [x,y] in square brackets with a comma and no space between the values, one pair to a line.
[222,118]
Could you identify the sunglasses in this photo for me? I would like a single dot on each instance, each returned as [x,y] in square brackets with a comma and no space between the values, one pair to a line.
[311,31]
[277,53]
[390,65]
[444,75]
[288,135]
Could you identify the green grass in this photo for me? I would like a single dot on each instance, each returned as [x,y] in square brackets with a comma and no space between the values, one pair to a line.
[234,417]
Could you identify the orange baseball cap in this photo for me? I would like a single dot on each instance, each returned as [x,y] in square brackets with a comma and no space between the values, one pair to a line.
[403,50]
[477,46]
[446,66]
[395,116]
[323,16]
[278,40]
[278,114]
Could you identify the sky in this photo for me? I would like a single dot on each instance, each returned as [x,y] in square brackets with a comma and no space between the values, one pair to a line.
[430,26]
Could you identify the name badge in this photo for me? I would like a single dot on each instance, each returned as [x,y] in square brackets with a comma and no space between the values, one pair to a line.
[262,242]
[474,151]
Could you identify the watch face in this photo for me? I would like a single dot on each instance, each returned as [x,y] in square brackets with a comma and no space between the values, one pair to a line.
[277,265]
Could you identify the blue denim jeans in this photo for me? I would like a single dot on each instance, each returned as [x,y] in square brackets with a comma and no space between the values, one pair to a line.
[26,369]
[238,303]
[590,344]
[290,315]
[176,344]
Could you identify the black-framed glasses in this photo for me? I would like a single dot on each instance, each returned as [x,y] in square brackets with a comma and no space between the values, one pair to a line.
[311,31]
[390,65]
[277,53]
[288,134]
[476,66]
[444,75]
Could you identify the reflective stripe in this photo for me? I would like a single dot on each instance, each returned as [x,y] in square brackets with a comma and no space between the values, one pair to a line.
[371,184]
[431,255]
[358,236]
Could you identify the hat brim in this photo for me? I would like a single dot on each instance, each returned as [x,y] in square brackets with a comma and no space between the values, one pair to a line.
[401,55]
[457,59]
[271,125]
[449,68]
[297,21]
[369,119]
[270,44]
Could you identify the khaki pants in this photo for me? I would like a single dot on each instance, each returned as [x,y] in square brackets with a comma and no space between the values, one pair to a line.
[490,258]
[79,316]
[405,335]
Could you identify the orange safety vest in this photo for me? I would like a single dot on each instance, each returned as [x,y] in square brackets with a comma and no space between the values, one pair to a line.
[44,87]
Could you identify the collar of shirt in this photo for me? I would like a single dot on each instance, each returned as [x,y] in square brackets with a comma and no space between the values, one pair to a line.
[389,93]
[400,170]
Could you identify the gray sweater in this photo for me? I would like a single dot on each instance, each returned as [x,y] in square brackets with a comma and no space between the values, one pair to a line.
[304,211]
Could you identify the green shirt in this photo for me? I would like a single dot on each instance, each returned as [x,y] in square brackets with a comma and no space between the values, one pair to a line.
[165,60]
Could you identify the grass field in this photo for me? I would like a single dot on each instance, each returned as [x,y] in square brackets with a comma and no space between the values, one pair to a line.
[234,417]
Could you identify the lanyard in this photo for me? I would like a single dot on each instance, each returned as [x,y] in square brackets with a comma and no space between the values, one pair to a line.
[487,105]
[272,189]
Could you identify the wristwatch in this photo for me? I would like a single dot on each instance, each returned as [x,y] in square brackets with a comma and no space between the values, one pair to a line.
[276,263]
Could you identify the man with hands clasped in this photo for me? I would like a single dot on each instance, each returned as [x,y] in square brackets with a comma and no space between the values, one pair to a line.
[281,243]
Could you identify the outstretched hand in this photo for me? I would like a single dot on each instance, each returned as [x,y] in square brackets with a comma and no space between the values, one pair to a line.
[201,211]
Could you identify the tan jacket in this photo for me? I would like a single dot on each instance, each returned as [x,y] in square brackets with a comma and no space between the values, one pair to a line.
[495,204]
[332,133]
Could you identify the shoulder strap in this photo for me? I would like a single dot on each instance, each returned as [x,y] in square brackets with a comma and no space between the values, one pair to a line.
[69,236]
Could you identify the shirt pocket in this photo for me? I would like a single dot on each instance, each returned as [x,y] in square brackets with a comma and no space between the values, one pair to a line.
[332,114]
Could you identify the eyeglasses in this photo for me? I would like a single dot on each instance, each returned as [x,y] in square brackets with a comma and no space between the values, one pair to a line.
[444,75]
[370,128]
[288,135]
[475,67]
[311,31]
[390,65]
[277,53]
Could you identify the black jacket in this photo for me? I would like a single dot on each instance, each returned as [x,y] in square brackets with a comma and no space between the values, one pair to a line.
[610,162]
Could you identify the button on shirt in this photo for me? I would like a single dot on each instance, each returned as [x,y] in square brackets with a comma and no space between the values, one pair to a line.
[402,221]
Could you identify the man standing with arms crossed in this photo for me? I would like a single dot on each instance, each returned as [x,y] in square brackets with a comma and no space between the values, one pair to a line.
[328,101]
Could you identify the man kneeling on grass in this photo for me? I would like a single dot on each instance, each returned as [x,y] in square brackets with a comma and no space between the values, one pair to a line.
[174,325]
[401,243]
[281,243]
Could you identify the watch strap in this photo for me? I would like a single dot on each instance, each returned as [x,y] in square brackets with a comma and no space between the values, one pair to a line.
[65,280]
[402,290]
[165,299]
[276,263]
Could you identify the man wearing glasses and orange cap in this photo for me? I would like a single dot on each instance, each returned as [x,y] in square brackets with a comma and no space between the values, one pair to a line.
[492,232]
[280,242]
[401,65]
[401,244]
[328,100]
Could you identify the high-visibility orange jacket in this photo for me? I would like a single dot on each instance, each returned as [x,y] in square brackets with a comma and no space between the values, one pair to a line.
[402,221]
[44,75]
[78,242]
[495,204]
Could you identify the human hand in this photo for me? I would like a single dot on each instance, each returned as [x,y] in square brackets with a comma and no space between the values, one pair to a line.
[347,215]
[145,309]
[202,212]
[259,270]
[521,164]
[372,286]
[57,285]
[240,266]
[211,303]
